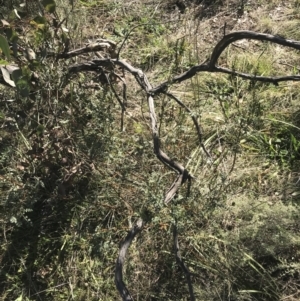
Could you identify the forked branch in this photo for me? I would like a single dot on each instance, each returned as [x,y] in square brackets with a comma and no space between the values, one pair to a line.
[183,174]
[197,126]
[211,64]
[142,80]
[207,66]
[250,35]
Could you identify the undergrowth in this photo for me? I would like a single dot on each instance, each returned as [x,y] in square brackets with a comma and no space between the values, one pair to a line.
[72,183]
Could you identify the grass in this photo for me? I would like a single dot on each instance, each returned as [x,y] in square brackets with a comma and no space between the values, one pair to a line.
[238,227]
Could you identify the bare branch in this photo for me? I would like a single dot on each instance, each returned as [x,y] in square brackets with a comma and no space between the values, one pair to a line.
[115,92]
[266,79]
[174,188]
[178,79]
[194,120]
[90,66]
[211,65]
[206,66]
[121,258]
[122,79]
[142,80]
[99,45]
[126,37]
[251,35]
[181,263]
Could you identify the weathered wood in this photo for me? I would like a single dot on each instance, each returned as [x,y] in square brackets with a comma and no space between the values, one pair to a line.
[121,258]
[181,263]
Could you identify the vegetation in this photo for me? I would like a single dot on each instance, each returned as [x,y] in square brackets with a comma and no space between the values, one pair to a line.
[78,170]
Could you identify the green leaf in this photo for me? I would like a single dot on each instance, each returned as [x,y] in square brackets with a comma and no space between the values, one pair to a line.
[11,34]
[40,20]
[23,87]
[49,5]
[40,130]
[16,75]
[21,82]
[4,46]
[3,62]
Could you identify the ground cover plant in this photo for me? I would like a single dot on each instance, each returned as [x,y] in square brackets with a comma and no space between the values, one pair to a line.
[175,123]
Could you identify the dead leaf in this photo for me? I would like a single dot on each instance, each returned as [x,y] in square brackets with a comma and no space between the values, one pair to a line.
[6,77]
[20,167]
[5,23]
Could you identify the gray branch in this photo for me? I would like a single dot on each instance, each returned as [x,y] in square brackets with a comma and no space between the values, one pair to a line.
[181,263]
[211,64]
[121,258]
[142,80]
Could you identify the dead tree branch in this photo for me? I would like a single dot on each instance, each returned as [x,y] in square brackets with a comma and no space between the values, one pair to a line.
[100,45]
[211,64]
[121,258]
[183,175]
[197,126]
[207,66]
[181,263]
[142,80]
[250,35]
